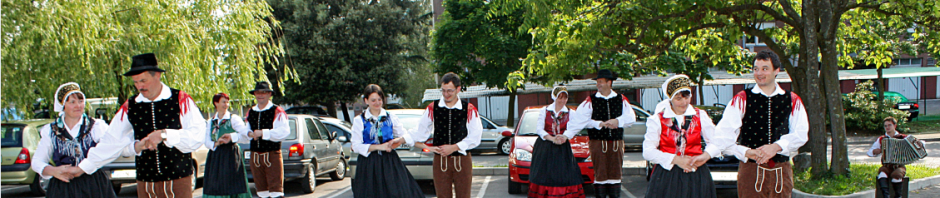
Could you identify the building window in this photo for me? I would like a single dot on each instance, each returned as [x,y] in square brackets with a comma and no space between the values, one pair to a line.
[931,61]
[908,62]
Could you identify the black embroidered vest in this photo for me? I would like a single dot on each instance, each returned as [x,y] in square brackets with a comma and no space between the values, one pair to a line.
[765,120]
[259,120]
[606,109]
[165,163]
[450,125]
[68,150]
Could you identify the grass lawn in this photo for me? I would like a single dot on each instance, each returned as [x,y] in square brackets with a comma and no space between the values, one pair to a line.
[862,177]
[923,124]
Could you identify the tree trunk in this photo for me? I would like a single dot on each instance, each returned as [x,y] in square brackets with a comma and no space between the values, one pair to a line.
[701,92]
[881,89]
[829,24]
[808,59]
[511,117]
[346,116]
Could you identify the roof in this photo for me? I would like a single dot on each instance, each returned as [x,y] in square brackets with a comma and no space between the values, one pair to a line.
[642,82]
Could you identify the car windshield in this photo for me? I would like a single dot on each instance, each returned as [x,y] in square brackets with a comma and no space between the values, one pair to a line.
[409,121]
[529,122]
[12,135]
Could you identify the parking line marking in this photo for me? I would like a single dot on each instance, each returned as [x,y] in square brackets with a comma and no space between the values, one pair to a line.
[341,192]
[483,188]
[630,195]
[14,188]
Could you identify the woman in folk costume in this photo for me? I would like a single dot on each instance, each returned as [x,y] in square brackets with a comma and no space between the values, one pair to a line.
[376,134]
[65,142]
[673,142]
[225,172]
[555,173]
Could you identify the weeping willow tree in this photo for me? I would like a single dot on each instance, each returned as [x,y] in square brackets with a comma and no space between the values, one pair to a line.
[206,47]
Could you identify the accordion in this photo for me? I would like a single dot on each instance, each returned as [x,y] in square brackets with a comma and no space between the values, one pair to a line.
[902,151]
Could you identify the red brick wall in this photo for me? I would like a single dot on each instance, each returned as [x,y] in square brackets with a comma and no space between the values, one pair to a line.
[738,88]
[928,88]
[847,86]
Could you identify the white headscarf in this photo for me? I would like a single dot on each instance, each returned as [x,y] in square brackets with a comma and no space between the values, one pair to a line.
[665,103]
[69,88]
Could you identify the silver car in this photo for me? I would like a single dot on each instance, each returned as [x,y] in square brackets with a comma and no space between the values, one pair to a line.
[633,134]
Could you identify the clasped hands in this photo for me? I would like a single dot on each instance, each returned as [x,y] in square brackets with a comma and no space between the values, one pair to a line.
[63,172]
[150,142]
[764,153]
[387,146]
[446,149]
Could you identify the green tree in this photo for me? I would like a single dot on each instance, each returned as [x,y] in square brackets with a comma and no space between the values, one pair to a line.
[480,47]
[340,46]
[614,34]
[206,46]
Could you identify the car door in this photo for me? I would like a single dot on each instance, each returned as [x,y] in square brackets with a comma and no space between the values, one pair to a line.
[333,150]
[633,134]
[490,134]
[317,145]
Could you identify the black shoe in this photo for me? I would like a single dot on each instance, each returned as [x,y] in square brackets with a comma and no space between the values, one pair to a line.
[600,191]
[613,190]
[897,189]
[884,188]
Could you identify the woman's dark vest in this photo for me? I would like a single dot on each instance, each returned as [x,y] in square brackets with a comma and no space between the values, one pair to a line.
[259,120]
[165,163]
[603,110]
[68,150]
[450,125]
[765,120]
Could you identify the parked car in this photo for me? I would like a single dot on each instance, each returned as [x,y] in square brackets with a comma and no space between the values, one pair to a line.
[633,134]
[494,137]
[314,110]
[902,103]
[312,152]
[520,159]
[417,161]
[124,169]
[19,141]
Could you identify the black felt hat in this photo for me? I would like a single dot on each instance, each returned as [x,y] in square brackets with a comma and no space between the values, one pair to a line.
[261,86]
[605,73]
[143,62]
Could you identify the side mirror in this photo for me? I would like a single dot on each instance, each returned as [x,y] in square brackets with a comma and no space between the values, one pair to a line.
[507,133]
[342,139]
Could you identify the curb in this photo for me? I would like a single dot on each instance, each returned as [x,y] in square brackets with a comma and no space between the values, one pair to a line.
[483,171]
[913,185]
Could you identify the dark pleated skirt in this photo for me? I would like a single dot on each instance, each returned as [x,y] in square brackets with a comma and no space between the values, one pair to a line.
[676,183]
[554,171]
[95,185]
[225,171]
[384,176]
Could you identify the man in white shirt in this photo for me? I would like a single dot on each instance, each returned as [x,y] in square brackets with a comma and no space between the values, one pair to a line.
[161,126]
[456,128]
[604,114]
[768,124]
[269,126]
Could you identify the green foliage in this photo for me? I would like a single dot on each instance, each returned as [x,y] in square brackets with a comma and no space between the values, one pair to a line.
[862,109]
[340,46]
[206,47]
[862,178]
[479,46]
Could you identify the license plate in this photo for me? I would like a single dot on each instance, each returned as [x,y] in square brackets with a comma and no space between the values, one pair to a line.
[123,173]
[725,176]
[904,107]
[404,146]
[247,154]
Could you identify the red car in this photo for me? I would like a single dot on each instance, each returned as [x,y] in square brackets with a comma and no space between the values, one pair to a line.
[520,159]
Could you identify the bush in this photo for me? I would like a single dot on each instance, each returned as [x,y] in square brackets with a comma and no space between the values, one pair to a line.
[863,113]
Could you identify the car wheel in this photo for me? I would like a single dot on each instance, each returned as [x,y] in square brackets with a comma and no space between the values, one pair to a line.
[309,183]
[116,187]
[514,187]
[38,187]
[340,171]
[505,146]
[649,170]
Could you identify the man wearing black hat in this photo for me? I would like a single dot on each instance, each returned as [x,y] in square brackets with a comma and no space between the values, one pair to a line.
[269,126]
[604,114]
[161,126]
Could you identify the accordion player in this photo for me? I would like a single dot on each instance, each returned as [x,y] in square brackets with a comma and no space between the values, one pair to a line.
[896,150]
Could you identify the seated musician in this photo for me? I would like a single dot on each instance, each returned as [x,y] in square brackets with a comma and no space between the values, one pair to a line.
[895,171]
